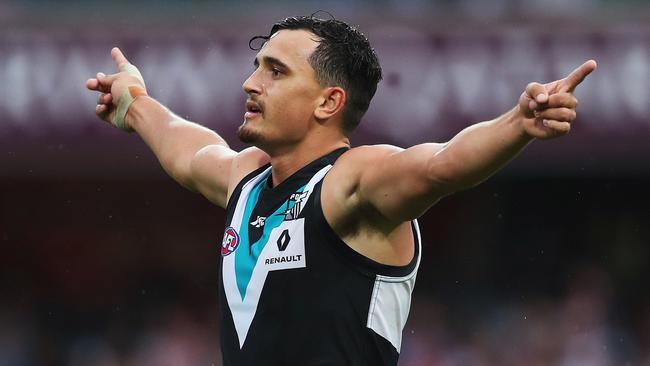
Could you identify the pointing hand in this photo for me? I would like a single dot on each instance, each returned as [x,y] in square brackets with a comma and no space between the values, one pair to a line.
[118,90]
[549,109]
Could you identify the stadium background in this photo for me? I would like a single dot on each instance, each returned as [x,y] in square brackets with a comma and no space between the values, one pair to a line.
[106,261]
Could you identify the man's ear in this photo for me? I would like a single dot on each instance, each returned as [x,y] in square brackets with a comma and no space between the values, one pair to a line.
[331,102]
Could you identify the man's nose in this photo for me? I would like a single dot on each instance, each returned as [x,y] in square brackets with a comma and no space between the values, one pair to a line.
[252,85]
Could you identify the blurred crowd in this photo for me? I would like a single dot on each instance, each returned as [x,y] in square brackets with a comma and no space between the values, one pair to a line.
[575,329]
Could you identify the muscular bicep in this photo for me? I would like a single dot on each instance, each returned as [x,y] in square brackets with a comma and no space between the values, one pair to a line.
[401,184]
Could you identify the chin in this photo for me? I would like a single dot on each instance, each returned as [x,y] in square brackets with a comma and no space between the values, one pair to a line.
[248,135]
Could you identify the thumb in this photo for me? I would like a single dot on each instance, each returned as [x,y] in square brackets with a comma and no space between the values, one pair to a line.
[537,92]
[534,95]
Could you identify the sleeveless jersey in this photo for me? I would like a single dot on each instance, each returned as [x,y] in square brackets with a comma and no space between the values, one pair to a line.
[292,292]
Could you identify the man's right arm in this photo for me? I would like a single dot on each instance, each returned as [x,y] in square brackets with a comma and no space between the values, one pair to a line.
[195,156]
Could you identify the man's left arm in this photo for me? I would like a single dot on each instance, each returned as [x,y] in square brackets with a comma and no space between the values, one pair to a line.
[401,184]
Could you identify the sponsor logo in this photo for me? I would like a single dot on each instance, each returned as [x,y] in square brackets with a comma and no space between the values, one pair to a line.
[283,240]
[259,221]
[230,241]
[285,259]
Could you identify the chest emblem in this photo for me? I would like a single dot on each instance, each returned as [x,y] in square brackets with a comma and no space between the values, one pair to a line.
[294,206]
[230,241]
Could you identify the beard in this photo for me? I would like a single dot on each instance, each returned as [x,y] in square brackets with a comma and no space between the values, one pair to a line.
[248,135]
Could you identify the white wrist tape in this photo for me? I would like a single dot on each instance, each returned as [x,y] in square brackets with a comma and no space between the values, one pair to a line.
[127,98]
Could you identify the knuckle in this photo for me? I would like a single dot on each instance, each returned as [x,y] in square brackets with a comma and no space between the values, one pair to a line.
[571,101]
[562,100]
[532,86]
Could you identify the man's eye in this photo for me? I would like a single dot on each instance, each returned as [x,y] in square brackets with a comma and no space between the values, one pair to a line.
[276,71]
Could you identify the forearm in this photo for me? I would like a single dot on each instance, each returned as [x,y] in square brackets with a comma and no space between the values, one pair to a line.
[405,183]
[172,139]
[479,151]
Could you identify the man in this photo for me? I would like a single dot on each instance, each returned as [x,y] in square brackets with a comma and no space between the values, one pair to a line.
[321,246]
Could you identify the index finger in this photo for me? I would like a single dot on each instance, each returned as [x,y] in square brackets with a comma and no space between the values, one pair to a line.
[119,58]
[577,76]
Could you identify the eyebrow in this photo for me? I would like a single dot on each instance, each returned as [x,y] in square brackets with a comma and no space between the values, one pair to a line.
[271,61]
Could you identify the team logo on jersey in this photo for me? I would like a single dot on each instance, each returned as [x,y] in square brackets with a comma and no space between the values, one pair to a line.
[230,241]
[298,200]
[259,221]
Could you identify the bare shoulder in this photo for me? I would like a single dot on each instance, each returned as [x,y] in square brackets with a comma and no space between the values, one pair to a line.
[373,151]
[250,158]
[357,158]
[216,170]
[356,221]
[340,187]
[392,181]
[348,168]
[351,164]
[244,163]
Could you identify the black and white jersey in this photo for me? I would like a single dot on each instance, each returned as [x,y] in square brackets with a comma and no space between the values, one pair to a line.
[292,292]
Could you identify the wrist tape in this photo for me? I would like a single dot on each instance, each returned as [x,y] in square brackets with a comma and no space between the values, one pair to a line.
[127,98]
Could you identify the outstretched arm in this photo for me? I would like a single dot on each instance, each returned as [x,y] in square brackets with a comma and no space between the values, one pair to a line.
[196,157]
[401,184]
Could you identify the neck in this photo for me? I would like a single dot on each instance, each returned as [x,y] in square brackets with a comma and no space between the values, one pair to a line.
[288,161]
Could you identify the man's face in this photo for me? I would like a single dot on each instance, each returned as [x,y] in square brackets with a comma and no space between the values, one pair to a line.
[282,91]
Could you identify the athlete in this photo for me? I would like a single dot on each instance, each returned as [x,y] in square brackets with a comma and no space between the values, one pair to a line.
[321,246]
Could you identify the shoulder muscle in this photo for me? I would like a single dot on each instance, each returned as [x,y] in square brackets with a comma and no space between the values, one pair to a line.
[215,168]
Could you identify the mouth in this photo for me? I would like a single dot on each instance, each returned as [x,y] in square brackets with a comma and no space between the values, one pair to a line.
[253,109]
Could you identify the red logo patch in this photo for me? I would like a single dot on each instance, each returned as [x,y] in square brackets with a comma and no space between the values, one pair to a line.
[230,241]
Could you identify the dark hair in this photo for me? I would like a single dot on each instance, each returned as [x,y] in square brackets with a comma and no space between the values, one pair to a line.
[343,58]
